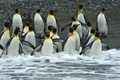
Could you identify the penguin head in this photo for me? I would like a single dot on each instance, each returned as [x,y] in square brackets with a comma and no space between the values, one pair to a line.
[70,30]
[92,30]
[17,30]
[80,6]
[16,10]
[73,18]
[27,23]
[75,27]
[89,24]
[103,10]
[30,28]
[38,10]
[97,34]
[50,28]
[54,30]
[7,24]
[47,34]
[51,12]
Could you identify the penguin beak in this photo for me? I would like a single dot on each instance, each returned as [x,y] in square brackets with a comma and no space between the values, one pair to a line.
[20,32]
[100,33]
[53,11]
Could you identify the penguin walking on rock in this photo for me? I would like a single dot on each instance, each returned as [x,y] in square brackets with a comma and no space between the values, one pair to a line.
[81,16]
[5,35]
[17,20]
[102,24]
[51,20]
[30,37]
[13,46]
[39,24]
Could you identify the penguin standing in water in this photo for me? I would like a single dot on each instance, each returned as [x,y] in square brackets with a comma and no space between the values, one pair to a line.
[17,20]
[55,36]
[5,35]
[81,16]
[26,28]
[102,25]
[92,45]
[30,37]
[70,43]
[39,24]
[13,46]
[47,47]
[51,21]
[77,38]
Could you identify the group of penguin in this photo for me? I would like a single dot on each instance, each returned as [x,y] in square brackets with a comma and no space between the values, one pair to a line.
[16,39]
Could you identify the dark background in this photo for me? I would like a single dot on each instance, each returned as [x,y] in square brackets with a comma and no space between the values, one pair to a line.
[65,9]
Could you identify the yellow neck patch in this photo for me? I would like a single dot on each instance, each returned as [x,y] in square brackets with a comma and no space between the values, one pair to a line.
[72,35]
[79,12]
[16,13]
[101,13]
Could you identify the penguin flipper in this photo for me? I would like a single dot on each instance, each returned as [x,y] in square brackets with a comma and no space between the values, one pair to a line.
[66,26]
[56,47]
[28,44]
[1,47]
[104,45]
[38,47]
[83,50]
[2,33]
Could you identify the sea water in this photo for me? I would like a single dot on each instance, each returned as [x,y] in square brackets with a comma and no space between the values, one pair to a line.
[62,66]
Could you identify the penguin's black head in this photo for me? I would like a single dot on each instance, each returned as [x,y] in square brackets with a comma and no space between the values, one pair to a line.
[75,27]
[30,28]
[17,30]
[97,34]
[38,10]
[7,24]
[89,23]
[103,9]
[70,30]
[80,6]
[73,18]
[47,34]
[50,27]
[93,30]
[51,12]
[54,30]
[17,10]
[27,23]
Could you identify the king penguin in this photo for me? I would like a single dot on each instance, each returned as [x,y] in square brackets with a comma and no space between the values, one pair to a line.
[17,20]
[51,21]
[70,43]
[26,28]
[77,38]
[47,47]
[102,25]
[55,36]
[13,46]
[79,28]
[30,37]
[81,16]
[39,23]
[50,28]
[5,35]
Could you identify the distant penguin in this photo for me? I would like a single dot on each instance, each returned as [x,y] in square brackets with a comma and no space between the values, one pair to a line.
[17,20]
[79,28]
[77,38]
[5,35]
[30,37]
[55,36]
[47,47]
[26,28]
[102,25]
[13,46]
[39,23]
[81,16]
[70,42]
[51,21]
